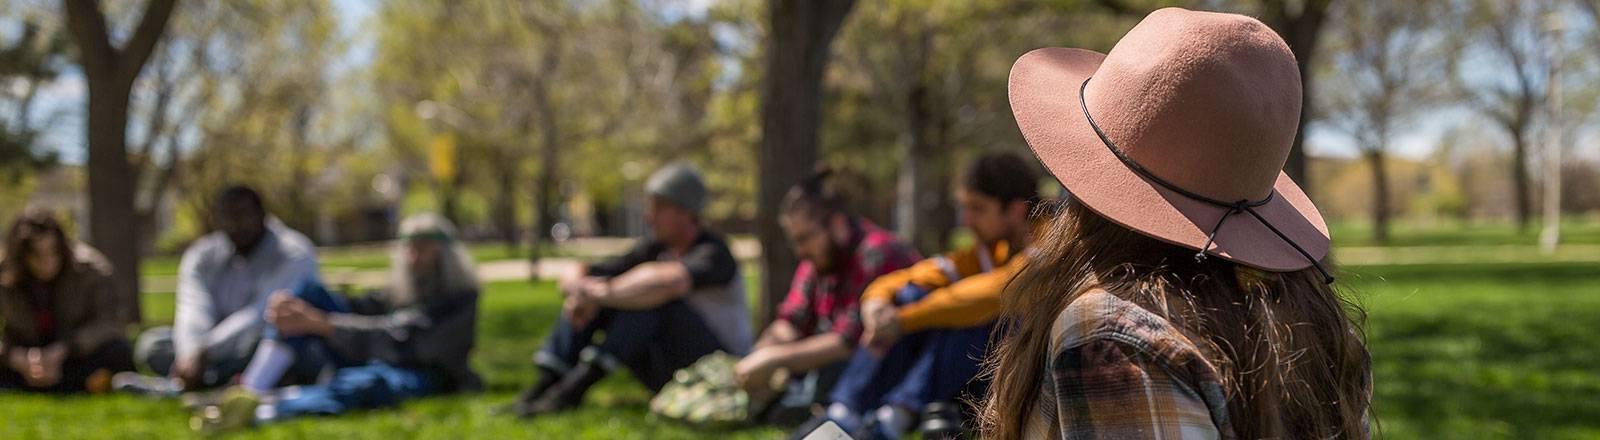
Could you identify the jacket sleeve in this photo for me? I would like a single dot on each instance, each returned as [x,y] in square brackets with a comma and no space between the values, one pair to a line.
[932,273]
[442,330]
[104,324]
[972,301]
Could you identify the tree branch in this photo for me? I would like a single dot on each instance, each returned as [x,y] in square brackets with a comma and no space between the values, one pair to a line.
[88,27]
[145,37]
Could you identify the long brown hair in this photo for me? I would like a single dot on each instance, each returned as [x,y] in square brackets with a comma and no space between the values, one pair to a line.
[1287,346]
[33,224]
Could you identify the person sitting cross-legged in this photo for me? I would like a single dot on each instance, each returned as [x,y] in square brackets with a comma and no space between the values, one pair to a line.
[676,297]
[411,340]
[224,279]
[818,323]
[928,327]
[60,336]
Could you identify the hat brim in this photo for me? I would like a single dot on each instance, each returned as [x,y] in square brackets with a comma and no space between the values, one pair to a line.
[1044,96]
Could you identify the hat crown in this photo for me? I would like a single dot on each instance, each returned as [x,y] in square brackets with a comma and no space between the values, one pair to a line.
[1206,101]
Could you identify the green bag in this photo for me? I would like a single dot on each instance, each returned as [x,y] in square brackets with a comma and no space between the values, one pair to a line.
[705,394]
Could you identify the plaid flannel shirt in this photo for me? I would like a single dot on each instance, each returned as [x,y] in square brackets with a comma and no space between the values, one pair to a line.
[1121,371]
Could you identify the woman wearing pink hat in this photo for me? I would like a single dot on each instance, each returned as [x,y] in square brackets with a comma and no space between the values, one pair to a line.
[1182,292]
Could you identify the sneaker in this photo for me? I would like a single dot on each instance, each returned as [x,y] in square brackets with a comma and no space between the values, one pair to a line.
[236,411]
[942,420]
[153,386]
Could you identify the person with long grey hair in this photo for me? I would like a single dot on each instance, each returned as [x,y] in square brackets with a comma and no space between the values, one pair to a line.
[410,340]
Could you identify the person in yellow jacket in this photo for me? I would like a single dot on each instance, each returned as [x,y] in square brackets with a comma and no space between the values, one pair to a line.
[927,327]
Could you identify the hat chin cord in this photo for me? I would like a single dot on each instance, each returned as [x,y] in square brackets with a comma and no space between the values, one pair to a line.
[1241,206]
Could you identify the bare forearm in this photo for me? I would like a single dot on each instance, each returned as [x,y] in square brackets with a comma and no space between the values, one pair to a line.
[810,353]
[780,332]
[645,286]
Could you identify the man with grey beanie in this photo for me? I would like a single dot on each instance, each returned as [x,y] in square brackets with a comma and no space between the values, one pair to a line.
[677,296]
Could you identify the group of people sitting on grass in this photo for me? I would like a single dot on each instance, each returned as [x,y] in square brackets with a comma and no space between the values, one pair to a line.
[1179,291]
[252,317]
[874,336]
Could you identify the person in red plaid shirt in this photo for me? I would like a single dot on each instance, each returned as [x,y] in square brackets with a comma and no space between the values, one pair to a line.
[819,323]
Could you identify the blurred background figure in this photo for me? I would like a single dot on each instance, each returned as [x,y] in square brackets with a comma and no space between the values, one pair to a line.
[223,283]
[676,297]
[59,335]
[410,340]
[927,328]
[819,322]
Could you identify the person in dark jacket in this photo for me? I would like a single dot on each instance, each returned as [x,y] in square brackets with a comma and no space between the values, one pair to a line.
[411,340]
[59,337]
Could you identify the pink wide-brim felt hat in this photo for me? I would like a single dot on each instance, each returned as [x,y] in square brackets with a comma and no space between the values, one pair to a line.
[1204,108]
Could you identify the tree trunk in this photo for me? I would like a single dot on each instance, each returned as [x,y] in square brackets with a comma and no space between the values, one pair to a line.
[110,73]
[1519,179]
[505,205]
[549,167]
[1380,196]
[797,55]
[112,220]
[1301,31]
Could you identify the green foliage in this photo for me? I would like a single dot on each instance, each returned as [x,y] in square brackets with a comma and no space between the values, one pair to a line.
[29,59]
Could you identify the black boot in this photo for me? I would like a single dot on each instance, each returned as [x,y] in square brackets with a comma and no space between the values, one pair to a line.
[566,393]
[547,379]
[942,420]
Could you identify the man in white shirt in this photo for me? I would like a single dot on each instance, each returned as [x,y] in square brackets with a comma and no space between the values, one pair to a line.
[224,280]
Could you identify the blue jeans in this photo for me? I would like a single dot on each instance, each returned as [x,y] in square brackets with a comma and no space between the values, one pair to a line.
[312,354]
[371,386]
[653,343]
[355,384]
[925,367]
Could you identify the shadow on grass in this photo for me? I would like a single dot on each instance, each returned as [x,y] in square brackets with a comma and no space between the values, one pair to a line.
[1485,351]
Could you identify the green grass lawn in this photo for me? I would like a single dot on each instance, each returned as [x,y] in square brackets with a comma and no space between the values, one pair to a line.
[1484,351]
[1574,230]
[1463,351]
[516,317]
[352,258]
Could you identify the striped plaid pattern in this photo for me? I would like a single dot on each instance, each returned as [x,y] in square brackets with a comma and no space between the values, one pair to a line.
[1120,371]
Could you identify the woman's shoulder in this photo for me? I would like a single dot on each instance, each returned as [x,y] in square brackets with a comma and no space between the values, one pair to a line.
[1100,316]
[90,261]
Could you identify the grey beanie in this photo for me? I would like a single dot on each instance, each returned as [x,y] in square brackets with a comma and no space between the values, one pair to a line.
[680,184]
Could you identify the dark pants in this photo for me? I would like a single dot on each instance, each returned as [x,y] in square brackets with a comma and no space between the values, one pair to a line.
[803,392]
[112,357]
[930,366]
[653,343]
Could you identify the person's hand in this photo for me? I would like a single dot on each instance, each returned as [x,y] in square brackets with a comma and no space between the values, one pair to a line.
[881,322]
[295,317]
[573,286]
[874,312]
[882,332]
[188,369]
[579,311]
[44,365]
[17,360]
[754,373]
